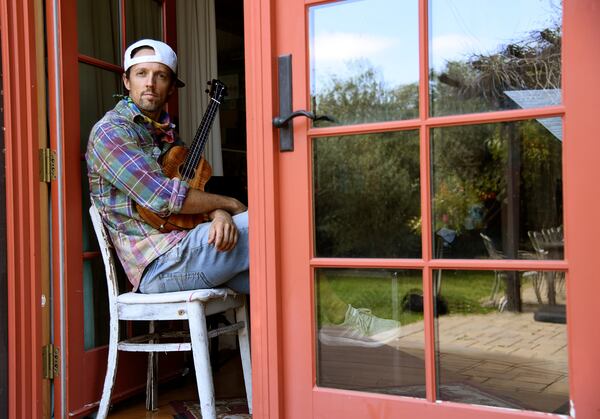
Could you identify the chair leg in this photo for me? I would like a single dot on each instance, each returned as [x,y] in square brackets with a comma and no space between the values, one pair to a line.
[199,339]
[244,342]
[152,376]
[111,370]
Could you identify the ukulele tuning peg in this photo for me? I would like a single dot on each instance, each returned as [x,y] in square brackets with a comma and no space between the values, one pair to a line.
[209,82]
[206,91]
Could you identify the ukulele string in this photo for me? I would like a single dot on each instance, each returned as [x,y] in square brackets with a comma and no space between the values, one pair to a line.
[195,154]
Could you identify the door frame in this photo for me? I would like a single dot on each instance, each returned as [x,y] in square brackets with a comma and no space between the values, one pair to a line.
[263,156]
[19,48]
[271,342]
[3,273]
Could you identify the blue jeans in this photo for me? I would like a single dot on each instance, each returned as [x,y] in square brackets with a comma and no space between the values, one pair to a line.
[194,264]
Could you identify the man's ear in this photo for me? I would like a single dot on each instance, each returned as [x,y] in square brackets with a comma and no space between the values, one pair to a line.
[125,81]
[172,89]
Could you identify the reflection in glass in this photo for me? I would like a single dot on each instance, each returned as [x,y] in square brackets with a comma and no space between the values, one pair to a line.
[143,20]
[97,88]
[494,55]
[497,190]
[502,343]
[367,195]
[98,29]
[370,330]
[364,60]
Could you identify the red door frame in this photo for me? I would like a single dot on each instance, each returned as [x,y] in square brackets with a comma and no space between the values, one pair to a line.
[23,236]
[284,382]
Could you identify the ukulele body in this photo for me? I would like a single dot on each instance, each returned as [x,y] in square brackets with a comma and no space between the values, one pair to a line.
[173,165]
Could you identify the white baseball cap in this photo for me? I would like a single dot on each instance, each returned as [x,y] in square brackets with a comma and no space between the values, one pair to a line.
[163,54]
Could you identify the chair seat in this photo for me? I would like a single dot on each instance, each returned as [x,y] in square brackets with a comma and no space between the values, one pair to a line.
[174,297]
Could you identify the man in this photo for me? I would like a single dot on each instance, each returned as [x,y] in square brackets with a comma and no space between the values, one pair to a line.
[122,157]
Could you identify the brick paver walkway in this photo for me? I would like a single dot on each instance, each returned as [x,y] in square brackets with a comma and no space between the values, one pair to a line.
[508,354]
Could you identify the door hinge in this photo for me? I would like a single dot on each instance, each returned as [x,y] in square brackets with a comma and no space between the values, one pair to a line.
[50,361]
[47,165]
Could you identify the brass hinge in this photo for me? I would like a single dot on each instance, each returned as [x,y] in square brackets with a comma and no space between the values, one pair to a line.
[47,165]
[50,361]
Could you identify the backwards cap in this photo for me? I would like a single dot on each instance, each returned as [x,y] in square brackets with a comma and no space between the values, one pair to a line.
[163,54]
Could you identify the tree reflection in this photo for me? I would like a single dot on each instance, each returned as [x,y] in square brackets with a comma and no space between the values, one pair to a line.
[501,179]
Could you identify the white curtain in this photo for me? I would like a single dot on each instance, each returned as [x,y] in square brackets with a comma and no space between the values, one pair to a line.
[197,54]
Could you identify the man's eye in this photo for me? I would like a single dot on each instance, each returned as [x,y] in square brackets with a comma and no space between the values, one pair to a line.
[140,73]
[162,76]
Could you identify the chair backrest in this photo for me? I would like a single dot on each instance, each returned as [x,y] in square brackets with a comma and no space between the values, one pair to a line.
[107,255]
[491,249]
[553,234]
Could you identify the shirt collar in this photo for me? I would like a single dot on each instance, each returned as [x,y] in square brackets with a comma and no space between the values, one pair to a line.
[163,129]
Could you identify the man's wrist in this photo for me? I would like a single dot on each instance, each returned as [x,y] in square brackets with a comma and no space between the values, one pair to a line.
[218,213]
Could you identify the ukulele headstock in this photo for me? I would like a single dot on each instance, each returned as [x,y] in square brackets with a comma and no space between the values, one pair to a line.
[217,90]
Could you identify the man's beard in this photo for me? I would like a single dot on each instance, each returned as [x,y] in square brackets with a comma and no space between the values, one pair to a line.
[148,106]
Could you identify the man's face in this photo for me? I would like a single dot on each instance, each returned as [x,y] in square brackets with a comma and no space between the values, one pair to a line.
[150,85]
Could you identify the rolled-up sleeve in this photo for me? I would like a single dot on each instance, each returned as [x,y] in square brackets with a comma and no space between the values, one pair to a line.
[117,157]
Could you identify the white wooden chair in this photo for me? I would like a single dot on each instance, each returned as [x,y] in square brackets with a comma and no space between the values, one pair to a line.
[191,305]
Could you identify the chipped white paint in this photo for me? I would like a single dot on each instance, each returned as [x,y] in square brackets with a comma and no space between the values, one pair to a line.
[572,411]
[193,306]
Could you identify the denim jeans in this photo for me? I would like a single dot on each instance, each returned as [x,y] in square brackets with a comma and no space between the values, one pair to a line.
[194,264]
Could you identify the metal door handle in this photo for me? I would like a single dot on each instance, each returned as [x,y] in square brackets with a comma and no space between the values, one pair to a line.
[286,130]
[280,121]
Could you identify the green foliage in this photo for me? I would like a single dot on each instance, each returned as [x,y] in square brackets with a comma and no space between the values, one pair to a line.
[366,195]
[364,97]
[366,187]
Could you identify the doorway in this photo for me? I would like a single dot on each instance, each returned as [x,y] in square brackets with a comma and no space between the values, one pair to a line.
[93,37]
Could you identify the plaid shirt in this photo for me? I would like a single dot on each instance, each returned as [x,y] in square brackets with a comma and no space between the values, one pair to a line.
[122,155]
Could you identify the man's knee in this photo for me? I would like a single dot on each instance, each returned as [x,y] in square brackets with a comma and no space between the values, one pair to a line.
[241,220]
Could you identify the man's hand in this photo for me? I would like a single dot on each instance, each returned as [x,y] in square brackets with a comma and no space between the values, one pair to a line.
[223,233]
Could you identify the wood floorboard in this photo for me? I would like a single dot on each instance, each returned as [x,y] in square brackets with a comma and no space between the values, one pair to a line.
[228,382]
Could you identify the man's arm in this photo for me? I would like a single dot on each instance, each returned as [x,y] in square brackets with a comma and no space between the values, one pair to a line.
[200,202]
[223,232]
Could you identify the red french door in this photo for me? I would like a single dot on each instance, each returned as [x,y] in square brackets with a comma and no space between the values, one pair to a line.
[86,41]
[432,241]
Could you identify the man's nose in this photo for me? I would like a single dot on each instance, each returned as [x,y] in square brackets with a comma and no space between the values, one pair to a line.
[150,80]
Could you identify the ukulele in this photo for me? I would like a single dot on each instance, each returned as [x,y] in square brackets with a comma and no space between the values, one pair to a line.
[189,165]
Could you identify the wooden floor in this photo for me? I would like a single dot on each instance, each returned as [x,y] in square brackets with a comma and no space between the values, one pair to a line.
[228,381]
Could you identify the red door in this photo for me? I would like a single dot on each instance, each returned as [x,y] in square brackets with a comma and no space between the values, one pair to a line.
[420,255]
[86,44]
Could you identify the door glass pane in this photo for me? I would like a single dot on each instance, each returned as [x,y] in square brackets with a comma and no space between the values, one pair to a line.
[370,330]
[366,195]
[143,19]
[503,339]
[364,60]
[497,190]
[494,55]
[98,27]
[97,88]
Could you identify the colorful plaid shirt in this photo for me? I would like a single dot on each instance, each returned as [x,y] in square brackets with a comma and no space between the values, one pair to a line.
[122,155]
